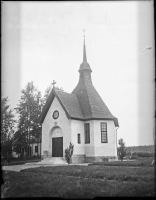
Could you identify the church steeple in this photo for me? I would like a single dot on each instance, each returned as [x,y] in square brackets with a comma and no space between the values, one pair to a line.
[84,65]
[92,105]
[84,52]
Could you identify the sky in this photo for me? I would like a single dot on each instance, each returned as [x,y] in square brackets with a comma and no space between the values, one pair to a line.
[43,41]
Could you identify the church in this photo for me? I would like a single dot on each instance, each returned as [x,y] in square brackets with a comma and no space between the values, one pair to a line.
[80,117]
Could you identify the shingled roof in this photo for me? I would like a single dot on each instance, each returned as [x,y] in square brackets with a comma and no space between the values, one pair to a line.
[84,103]
[92,105]
[69,102]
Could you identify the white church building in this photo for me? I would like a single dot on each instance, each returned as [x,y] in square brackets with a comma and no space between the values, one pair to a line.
[81,118]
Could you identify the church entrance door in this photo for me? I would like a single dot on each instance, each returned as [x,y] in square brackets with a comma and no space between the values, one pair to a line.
[57,147]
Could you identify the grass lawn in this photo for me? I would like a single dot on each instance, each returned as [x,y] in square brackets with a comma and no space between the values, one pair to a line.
[144,162]
[81,181]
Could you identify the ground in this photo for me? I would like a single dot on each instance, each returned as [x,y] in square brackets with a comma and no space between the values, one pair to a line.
[82,181]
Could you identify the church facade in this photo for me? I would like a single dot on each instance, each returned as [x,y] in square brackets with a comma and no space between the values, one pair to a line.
[80,117]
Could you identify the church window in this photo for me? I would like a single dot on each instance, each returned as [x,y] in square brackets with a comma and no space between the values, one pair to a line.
[78,138]
[104,132]
[87,133]
[36,149]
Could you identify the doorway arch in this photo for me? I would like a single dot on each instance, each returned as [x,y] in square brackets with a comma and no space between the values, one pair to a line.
[56,142]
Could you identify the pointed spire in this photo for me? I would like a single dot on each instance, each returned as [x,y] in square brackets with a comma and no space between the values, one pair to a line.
[84,65]
[84,52]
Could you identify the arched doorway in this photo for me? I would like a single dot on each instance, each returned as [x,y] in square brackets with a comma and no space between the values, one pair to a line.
[56,142]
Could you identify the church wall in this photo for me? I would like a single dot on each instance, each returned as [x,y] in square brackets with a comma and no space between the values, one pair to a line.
[49,122]
[77,127]
[89,148]
[105,149]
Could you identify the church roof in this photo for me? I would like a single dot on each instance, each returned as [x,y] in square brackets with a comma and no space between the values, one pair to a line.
[90,101]
[92,105]
[69,102]
[84,103]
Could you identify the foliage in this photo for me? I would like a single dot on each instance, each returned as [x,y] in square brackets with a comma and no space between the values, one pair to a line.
[59,88]
[47,93]
[121,149]
[21,142]
[141,154]
[29,110]
[69,153]
[138,162]
[7,126]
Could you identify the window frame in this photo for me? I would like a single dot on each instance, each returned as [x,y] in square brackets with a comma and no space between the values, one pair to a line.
[87,133]
[104,132]
[79,138]
[36,147]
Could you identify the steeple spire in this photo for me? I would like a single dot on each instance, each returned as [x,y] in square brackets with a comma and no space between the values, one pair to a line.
[84,65]
[84,49]
[84,52]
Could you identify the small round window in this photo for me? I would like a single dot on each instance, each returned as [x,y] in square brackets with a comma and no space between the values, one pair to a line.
[55,114]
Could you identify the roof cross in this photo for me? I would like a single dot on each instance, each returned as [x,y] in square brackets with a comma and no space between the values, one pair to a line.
[53,83]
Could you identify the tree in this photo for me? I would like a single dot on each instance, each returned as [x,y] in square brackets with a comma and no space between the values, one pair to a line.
[29,110]
[121,149]
[46,95]
[59,88]
[69,153]
[7,126]
[20,143]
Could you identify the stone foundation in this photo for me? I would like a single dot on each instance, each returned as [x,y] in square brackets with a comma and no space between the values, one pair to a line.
[42,157]
[45,156]
[83,159]
[99,159]
[78,159]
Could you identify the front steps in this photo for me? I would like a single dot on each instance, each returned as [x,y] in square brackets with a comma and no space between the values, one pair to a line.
[53,161]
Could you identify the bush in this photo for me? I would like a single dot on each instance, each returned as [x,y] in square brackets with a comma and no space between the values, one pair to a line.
[105,159]
[69,153]
[121,149]
[140,154]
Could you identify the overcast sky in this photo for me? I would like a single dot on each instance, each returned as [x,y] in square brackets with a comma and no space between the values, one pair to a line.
[43,41]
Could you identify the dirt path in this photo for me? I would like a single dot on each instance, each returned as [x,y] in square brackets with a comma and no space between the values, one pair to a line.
[18,168]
